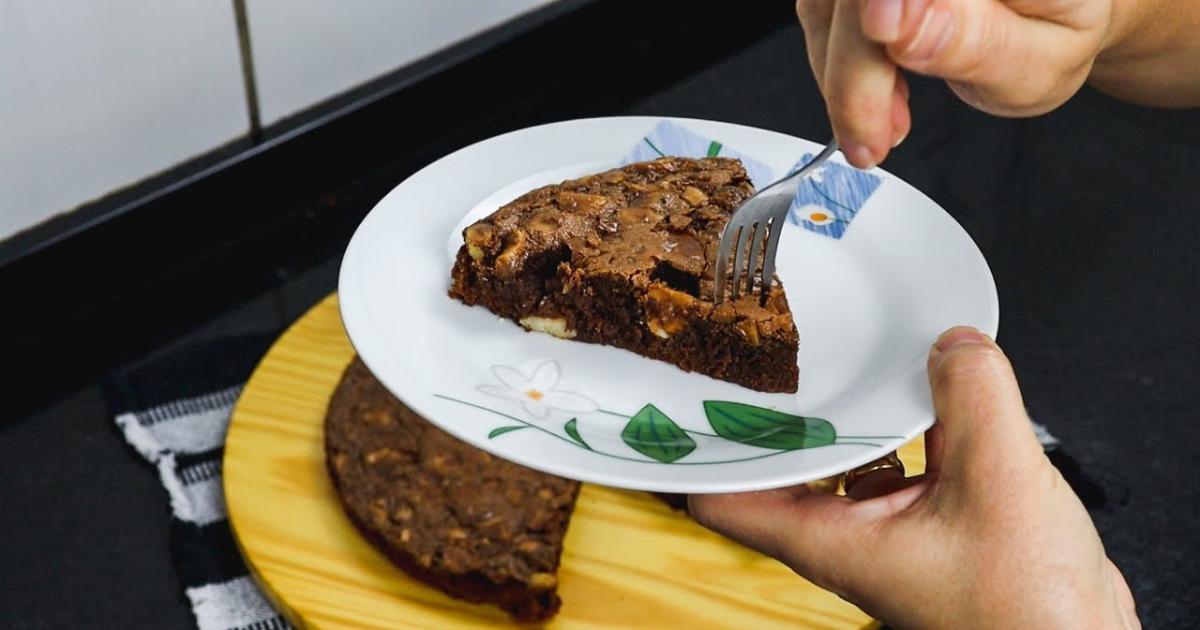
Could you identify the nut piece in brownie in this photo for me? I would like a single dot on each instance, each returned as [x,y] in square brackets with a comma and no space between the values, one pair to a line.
[626,258]
[479,528]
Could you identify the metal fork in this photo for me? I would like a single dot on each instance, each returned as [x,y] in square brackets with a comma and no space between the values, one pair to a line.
[762,215]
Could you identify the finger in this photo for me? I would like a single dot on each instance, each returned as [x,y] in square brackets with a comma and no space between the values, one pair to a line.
[883,21]
[761,520]
[834,541]
[821,536]
[995,58]
[986,431]
[815,17]
[901,116]
[860,82]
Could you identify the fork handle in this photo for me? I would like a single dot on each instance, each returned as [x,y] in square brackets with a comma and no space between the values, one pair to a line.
[803,171]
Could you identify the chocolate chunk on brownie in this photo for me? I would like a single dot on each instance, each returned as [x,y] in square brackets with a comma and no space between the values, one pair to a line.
[479,528]
[626,258]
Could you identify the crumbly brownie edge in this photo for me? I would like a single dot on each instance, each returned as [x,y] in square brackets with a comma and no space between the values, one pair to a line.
[703,346]
[512,595]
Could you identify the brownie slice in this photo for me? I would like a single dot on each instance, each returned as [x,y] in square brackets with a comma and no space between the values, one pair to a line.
[479,528]
[626,258]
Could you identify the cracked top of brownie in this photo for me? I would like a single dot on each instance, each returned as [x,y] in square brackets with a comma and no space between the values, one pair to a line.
[655,223]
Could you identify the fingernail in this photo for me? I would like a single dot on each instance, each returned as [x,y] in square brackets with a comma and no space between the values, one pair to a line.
[899,138]
[883,20]
[934,34]
[958,336]
[858,155]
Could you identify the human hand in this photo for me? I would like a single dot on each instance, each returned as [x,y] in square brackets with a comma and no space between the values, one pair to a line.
[1006,57]
[990,536]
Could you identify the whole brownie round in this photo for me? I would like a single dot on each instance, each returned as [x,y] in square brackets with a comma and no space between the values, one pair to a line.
[479,528]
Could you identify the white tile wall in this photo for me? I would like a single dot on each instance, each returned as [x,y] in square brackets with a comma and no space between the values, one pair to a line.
[308,50]
[100,94]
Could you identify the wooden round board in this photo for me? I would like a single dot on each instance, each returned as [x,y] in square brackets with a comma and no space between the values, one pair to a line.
[628,561]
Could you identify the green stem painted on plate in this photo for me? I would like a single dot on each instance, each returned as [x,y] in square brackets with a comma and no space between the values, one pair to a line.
[660,153]
[505,415]
[622,457]
[830,200]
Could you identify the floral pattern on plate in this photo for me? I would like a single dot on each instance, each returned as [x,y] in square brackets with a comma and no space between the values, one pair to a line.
[649,432]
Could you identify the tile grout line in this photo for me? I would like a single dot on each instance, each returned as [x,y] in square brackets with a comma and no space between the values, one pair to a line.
[248,79]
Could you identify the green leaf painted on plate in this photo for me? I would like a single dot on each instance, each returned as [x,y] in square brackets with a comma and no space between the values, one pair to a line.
[767,428]
[569,427]
[651,433]
[498,431]
[714,148]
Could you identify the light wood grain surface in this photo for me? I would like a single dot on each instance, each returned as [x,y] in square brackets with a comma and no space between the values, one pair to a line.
[629,561]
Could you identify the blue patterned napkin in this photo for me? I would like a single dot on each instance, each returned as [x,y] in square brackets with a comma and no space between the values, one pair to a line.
[829,199]
[668,138]
[826,202]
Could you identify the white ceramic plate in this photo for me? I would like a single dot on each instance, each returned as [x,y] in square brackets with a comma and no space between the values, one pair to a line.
[867,305]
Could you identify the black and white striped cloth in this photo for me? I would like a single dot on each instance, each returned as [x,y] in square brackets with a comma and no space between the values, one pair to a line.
[184,439]
[173,409]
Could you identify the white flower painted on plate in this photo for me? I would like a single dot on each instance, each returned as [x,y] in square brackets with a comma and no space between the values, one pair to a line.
[817,215]
[537,392]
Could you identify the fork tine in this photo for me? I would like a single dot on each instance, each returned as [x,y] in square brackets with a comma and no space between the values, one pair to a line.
[755,248]
[768,270]
[723,248]
[739,261]
[765,211]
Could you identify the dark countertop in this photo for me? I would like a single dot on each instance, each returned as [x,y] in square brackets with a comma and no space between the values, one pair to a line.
[1089,218]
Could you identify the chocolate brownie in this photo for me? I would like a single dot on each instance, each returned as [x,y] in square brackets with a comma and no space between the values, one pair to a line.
[479,528]
[626,258]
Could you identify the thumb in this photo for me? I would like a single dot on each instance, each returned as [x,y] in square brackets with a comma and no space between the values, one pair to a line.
[995,57]
[986,431]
